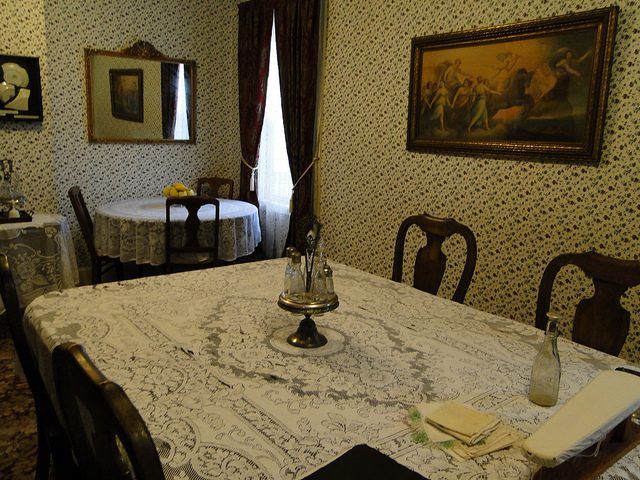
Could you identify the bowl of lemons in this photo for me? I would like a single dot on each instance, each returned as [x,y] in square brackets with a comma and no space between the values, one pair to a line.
[178,189]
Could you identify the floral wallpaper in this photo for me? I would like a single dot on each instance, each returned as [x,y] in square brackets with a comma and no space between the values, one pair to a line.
[54,155]
[523,213]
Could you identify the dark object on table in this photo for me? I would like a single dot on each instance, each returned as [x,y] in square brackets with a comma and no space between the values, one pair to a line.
[430,261]
[600,322]
[24,217]
[364,463]
[100,264]
[191,228]
[52,438]
[210,187]
[109,438]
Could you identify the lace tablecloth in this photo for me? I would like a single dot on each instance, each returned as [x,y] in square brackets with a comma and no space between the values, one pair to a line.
[200,356]
[133,230]
[41,255]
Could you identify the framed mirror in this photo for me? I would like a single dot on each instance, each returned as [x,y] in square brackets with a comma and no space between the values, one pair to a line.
[138,95]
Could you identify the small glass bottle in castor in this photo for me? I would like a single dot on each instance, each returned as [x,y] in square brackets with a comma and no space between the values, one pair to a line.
[545,373]
[293,279]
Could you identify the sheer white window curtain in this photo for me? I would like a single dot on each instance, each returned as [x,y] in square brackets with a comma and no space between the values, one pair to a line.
[274,176]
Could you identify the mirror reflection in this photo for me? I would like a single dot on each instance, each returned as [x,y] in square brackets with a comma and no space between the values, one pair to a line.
[139,96]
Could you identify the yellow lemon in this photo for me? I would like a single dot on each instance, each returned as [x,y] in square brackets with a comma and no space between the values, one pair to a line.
[191,192]
[173,192]
[179,186]
[166,191]
[183,193]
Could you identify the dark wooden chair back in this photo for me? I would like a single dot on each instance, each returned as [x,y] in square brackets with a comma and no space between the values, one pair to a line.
[599,322]
[51,436]
[100,264]
[210,187]
[431,262]
[84,219]
[191,228]
[108,436]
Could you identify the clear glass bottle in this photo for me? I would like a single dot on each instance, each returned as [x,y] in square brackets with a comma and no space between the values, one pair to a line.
[328,278]
[293,279]
[545,373]
[318,280]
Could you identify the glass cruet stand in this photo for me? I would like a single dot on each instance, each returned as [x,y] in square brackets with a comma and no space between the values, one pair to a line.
[545,372]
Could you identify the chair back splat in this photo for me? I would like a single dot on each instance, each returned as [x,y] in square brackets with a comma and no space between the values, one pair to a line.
[192,227]
[599,322]
[431,262]
[108,436]
[210,187]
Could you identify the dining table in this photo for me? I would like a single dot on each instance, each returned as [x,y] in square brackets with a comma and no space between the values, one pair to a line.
[203,356]
[134,229]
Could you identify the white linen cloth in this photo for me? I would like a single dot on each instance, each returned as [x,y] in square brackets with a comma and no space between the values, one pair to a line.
[133,230]
[585,419]
[463,422]
[41,255]
[193,350]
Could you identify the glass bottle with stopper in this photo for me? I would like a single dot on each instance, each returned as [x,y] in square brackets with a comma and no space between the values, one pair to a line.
[293,279]
[545,373]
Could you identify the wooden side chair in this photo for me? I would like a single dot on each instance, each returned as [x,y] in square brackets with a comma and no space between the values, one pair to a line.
[191,226]
[599,322]
[52,438]
[110,440]
[431,262]
[100,264]
[210,187]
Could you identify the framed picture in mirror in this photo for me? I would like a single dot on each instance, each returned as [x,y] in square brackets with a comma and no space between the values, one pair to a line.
[138,95]
[126,94]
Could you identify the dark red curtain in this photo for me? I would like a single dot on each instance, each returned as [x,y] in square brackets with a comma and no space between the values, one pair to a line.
[169,91]
[297,36]
[255,20]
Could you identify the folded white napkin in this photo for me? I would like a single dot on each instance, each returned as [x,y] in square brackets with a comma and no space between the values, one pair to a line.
[585,419]
[463,422]
[424,432]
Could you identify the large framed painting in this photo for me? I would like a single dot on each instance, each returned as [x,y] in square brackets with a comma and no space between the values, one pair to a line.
[126,94]
[536,89]
[20,90]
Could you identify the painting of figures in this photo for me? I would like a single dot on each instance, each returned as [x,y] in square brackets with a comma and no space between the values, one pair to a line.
[530,89]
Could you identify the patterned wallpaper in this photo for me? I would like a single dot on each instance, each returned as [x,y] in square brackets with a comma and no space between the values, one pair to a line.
[54,155]
[523,213]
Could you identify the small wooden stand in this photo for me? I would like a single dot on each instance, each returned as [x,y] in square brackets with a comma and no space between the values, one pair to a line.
[624,437]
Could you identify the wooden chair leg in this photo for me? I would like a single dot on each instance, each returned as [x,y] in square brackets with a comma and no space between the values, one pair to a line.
[43,459]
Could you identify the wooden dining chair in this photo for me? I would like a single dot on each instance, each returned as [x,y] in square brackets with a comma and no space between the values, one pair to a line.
[191,228]
[110,440]
[431,262]
[210,187]
[599,322]
[52,438]
[100,264]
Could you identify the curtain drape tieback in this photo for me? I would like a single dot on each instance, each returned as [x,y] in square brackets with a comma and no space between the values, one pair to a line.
[306,170]
[252,178]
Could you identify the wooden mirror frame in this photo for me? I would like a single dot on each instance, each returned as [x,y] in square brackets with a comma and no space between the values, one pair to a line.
[144,51]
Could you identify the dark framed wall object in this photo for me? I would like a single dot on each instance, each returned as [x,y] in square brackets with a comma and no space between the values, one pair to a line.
[127,97]
[20,89]
[138,95]
[536,89]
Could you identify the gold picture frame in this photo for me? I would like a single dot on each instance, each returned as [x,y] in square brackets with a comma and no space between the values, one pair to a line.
[536,89]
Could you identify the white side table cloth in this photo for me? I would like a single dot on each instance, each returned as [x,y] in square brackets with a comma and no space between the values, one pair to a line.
[133,230]
[41,255]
